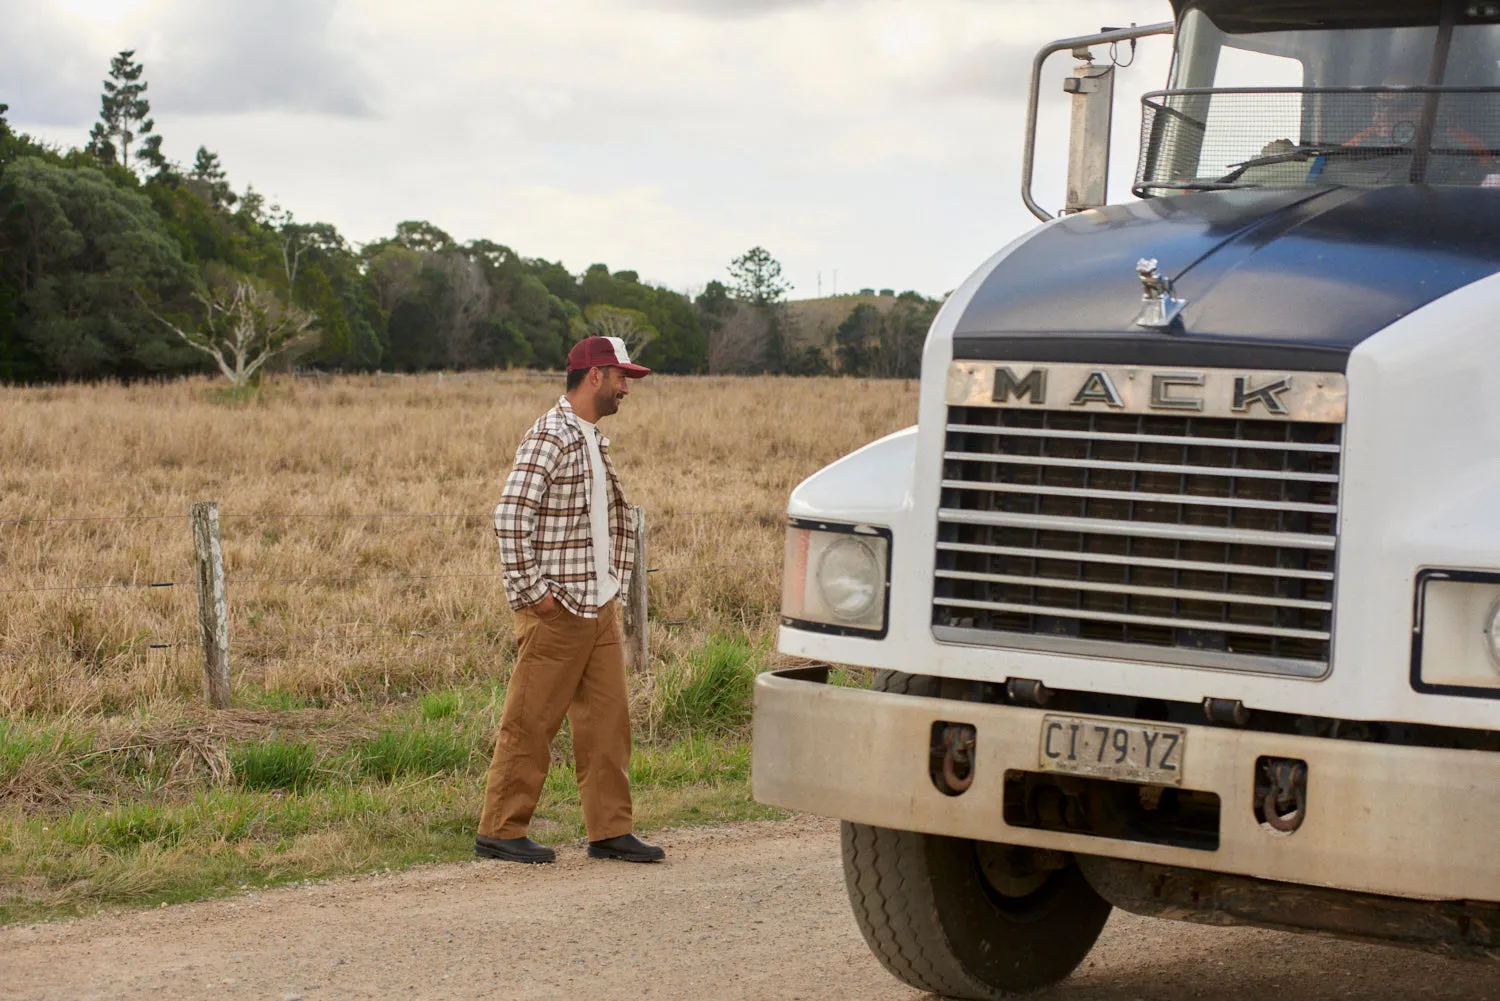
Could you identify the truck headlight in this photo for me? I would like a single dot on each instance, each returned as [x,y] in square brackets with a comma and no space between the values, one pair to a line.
[836,577]
[1457,644]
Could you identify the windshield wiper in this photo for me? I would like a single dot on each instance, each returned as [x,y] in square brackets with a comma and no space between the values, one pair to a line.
[1307,153]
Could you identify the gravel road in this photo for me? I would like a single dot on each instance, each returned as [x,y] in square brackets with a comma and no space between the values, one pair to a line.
[752,911]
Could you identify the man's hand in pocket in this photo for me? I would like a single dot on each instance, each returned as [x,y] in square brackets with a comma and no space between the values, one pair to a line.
[546,608]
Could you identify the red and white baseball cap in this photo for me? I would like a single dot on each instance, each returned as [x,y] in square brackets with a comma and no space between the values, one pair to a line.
[597,352]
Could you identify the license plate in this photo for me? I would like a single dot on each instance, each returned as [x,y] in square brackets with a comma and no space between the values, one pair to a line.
[1130,752]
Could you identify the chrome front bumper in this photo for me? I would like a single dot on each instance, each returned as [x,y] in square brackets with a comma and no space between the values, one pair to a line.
[1408,821]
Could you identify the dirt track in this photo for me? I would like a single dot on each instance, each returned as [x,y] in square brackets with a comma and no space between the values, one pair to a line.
[754,911]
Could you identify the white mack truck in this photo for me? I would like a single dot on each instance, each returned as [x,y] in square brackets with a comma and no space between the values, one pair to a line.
[1183,595]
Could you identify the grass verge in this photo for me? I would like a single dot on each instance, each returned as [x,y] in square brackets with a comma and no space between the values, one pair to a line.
[173,804]
[228,839]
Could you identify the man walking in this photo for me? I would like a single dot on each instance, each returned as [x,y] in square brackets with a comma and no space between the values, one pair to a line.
[566,546]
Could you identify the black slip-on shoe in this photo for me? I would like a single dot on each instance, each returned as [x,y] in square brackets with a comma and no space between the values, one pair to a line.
[520,849]
[626,848]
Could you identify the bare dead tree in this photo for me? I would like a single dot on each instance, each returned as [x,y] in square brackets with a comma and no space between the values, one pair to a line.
[629,325]
[245,325]
[739,343]
[467,301]
[291,259]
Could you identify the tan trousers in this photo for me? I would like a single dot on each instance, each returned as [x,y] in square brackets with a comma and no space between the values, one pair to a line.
[573,666]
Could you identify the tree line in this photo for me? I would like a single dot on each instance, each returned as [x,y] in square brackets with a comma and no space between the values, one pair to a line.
[116,262]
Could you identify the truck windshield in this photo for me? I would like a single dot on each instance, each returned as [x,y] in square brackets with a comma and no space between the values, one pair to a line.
[1329,105]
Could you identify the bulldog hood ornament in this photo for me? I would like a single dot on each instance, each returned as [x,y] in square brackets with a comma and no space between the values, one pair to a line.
[1159,307]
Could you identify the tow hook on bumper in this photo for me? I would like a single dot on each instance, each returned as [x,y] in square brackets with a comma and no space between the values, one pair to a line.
[951,759]
[1281,793]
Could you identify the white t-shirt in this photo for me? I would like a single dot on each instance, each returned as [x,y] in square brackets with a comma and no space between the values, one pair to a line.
[608,584]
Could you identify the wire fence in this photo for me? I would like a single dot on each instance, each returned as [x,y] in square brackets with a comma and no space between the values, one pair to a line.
[109,586]
[122,585]
[322,635]
[100,517]
[269,515]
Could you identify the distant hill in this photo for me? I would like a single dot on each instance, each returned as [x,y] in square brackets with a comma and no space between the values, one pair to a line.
[817,319]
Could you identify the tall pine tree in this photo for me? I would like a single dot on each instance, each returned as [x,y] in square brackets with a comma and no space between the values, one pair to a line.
[124,118]
[755,277]
[210,173]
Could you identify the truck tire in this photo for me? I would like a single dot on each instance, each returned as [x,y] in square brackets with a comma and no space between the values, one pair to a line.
[945,915]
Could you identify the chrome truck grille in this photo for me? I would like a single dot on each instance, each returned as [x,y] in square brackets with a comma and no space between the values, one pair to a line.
[1199,540]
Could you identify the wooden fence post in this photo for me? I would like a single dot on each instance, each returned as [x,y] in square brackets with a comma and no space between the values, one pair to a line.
[213,605]
[637,647]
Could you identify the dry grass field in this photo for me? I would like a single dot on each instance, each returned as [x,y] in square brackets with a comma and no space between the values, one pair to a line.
[370,637]
[335,495]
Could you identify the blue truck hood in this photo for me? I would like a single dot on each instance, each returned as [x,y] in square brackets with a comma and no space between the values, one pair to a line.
[1282,278]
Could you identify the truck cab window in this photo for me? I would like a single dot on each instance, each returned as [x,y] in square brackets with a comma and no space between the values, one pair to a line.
[1237,67]
[1256,104]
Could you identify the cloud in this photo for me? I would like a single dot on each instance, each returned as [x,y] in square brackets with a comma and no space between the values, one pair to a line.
[878,137]
[731,8]
[227,57]
[49,67]
[235,56]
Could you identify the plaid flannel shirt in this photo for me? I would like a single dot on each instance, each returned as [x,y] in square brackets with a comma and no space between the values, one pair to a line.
[542,520]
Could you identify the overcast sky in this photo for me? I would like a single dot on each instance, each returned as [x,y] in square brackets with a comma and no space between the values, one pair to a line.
[880,138]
